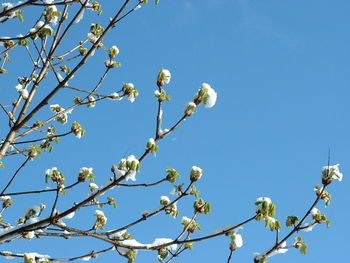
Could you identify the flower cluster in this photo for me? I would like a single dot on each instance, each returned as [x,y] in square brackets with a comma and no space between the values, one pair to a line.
[200,206]
[163,77]
[266,210]
[236,239]
[190,225]
[85,173]
[196,173]
[329,173]
[77,130]
[101,220]
[151,146]
[62,117]
[205,94]
[127,167]
[55,176]
[41,30]
[130,91]
[6,201]
[172,175]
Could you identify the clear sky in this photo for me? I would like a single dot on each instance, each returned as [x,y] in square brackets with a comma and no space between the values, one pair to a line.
[281,71]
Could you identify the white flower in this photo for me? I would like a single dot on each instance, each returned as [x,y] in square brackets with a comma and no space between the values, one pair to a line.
[164,77]
[48,1]
[70,215]
[164,200]
[332,172]
[162,241]
[209,100]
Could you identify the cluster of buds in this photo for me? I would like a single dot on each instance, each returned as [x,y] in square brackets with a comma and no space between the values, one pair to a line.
[323,194]
[171,209]
[34,151]
[299,243]
[55,176]
[6,201]
[61,118]
[127,167]
[92,101]
[205,94]
[190,108]
[190,225]
[77,130]
[236,239]
[130,91]
[162,95]
[51,14]
[41,30]
[34,211]
[163,77]
[196,173]
[152,146]
[329,173]
[200,206]
[101,220]
[266,210]
[172,175]
[318,217]
[85,173]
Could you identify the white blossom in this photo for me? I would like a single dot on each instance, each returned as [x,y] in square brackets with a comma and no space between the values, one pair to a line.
[115,96]
[137,7]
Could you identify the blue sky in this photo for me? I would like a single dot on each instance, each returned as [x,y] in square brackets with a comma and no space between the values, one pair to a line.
[280,69]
